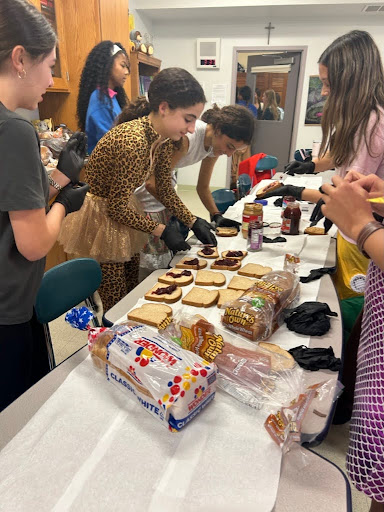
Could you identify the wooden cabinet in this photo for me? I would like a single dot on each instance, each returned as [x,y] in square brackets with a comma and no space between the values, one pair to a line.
[241,79]
[53,11]
[143,67]
[276,81]
[86,23]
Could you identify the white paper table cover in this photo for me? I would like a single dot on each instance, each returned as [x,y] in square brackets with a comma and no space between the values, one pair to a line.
[92,448]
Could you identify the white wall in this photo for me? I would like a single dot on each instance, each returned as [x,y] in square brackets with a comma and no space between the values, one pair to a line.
[142,23]
[175,45]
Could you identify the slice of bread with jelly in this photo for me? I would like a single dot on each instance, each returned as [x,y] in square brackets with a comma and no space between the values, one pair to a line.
[163,293]
[226,264]
[208,252]
[175,276]
[236,255]
[191,263]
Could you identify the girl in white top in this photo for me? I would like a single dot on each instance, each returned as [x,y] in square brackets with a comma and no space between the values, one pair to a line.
[220,132]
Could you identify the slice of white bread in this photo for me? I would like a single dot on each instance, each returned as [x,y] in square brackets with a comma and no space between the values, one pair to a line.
[254,270]
[314,231]
[214,255]
[201,263]
[157,315]
[169,298]
[226,231]
[241,283]
[283,360]
[180,281]
[209,278]
[201,297]
[228,295]
[268,188]
[216,264]
[224,254]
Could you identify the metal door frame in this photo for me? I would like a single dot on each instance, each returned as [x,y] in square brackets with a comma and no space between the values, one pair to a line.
[303,60]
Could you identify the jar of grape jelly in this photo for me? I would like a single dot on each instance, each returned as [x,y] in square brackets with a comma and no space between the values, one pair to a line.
[291,219]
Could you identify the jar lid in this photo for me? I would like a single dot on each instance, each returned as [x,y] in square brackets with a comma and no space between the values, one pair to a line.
[264,202]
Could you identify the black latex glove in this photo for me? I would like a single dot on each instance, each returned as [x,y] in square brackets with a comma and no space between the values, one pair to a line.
[72,197]
[316,273]
[296,167]
[203,231]
[223,222]
[309,318]
[173,238]
[316,358]
[71,159]
[285,190]
[275,240]
[317,215]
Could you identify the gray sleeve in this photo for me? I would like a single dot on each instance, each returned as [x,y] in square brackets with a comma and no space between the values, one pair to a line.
[21,179]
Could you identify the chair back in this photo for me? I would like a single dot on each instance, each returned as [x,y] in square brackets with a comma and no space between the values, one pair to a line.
[65,286]
[267,163]
[224,198]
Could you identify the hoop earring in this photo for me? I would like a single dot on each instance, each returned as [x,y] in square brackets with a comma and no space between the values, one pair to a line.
[22,76]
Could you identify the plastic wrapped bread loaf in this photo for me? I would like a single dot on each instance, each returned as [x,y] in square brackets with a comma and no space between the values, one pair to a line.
[172,384]
[257,313]
[251,374]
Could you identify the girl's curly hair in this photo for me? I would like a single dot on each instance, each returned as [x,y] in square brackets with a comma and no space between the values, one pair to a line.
[176,86]
[234,121]
[96,73]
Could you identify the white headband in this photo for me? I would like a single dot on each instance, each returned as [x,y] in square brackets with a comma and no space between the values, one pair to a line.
[116,49]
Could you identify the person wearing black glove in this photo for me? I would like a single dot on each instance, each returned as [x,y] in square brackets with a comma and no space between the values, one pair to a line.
[285,190]
[203,231]
[72,197]
[223,222]
[296,167]
[71,159]
[173,238]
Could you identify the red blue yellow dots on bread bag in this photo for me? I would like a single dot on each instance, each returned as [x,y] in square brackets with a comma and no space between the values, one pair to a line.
[172,384]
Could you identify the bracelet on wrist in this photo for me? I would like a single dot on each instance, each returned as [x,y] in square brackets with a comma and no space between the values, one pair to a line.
[54,184]
[365,233]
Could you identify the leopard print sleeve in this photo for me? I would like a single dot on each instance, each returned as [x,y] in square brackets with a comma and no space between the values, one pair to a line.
[164,188]
[130,171]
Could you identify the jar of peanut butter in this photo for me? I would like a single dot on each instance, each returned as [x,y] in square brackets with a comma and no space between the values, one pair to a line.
[253,212]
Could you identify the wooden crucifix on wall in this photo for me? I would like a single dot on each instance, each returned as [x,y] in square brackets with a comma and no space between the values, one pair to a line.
[269,28]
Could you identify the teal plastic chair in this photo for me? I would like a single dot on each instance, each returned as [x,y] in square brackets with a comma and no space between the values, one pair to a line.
[266,163]
[224,198]
[64,287]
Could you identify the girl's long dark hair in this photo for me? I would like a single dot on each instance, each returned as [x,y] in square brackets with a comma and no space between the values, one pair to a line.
[176,86]
[356,81]
[96,73]
[246,94]
[234,121]
[22,24]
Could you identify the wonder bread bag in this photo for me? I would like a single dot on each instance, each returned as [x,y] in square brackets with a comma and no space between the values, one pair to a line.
[258,312]
[172,384]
